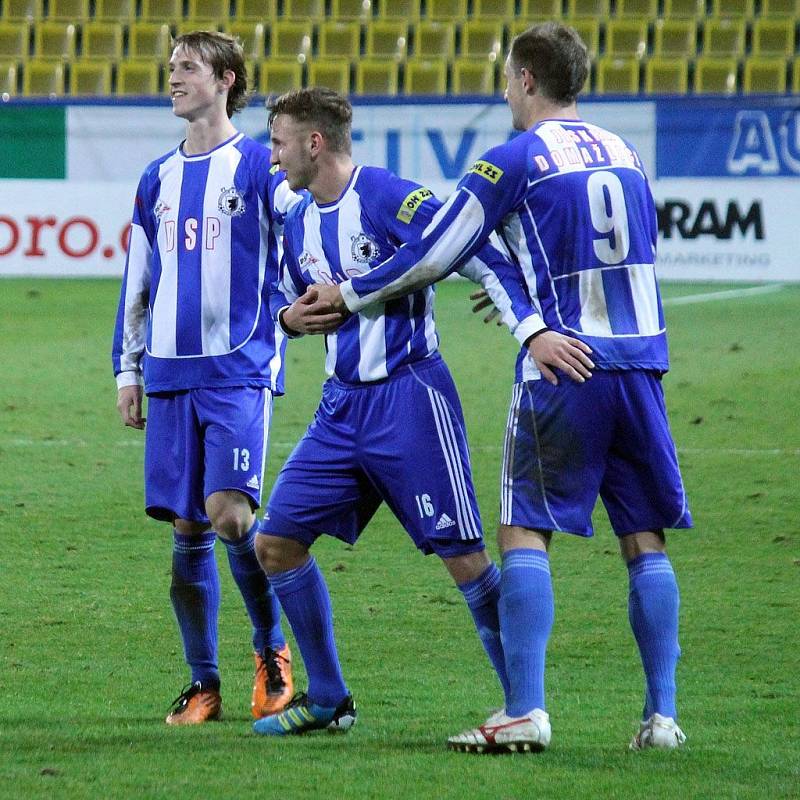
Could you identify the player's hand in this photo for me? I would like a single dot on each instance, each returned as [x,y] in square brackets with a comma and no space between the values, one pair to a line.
[571,356]
[331,295]
[310,315]
[484,301]
[129,405]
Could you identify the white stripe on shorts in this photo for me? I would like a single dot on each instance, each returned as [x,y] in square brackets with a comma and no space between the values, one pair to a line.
[265,446]
[447,438]
[507,472]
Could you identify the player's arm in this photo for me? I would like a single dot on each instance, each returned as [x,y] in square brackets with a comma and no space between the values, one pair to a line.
[130,332]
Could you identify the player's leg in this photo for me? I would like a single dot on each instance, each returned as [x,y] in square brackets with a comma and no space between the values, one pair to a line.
[236,423]
[173,492]
[643,493]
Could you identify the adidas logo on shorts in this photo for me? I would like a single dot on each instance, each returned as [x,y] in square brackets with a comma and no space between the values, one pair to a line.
[444,522]
[253,482]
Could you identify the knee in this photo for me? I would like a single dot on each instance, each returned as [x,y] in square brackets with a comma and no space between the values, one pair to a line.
[276,554]
[187,527]
[233,523]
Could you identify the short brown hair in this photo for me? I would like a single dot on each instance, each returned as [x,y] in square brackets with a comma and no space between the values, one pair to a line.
[326,110]
[221,52]
[556,57]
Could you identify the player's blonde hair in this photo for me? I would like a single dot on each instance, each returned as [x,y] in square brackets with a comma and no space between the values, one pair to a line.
[326,110]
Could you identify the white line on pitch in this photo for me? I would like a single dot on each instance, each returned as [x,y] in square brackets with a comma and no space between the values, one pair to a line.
[728,294]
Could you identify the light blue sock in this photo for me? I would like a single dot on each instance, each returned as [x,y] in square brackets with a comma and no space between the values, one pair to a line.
[526,618]
[307,605]
[262,605]
[195,600]
[653,603]
[482,596]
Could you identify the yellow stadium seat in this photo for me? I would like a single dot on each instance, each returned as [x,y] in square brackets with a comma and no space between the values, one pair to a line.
[446,10]
[138,78]
[493,9]
[780,8]
[18,10]
[251,36]
[377,77]
[434,40]
[538,11]
[666,76]
[474,76]
[683,9]
[114,10]
[149,40]
[387,40]
[675,38]
[425,77]
[715,75]
[9,71]
[407,10]
[642,10]
[14,39]
[764,75]
[187,25]
[90,78]
[597,9]
[169,11]
[773,37]
[68,10]
[54,40]
[331,73]
[617,76]
[279,76]
[43,78]
[340,40]
[589,31]
[626,38]
[351,10]
[733,8]
[302,10]
[219,10]
[291,40]
[482,40]
[796,76]
[265,11]
[102,40]
[723,38]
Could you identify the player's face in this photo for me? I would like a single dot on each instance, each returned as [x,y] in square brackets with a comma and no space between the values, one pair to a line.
[515,95]
[192,86]
[291,151]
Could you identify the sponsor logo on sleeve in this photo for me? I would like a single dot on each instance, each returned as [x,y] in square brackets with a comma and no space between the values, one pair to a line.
[486,170]
[412,203]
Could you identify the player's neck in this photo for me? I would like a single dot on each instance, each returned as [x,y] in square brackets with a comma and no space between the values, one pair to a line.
[542,110]
[203,135]
[332,179]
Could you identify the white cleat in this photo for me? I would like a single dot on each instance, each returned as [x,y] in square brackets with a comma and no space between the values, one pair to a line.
[660,732]
[504,734]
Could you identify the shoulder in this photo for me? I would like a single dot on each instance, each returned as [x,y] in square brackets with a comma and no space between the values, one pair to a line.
[502,165]
[393,195]
[153,169]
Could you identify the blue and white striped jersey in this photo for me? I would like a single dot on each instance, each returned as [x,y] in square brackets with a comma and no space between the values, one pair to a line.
[203,255]
[572,203]
[374,216]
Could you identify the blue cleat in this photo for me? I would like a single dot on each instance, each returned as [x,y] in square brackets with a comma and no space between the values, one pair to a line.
[301,716]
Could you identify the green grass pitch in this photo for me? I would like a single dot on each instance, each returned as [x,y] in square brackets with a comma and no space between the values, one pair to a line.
[90,656]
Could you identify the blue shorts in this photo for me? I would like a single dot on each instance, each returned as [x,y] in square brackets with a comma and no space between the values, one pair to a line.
[566,444]
[401,440]
[202,441]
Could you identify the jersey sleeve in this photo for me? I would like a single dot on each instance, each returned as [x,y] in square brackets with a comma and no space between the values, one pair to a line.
[130,332]
[289,284]
[489,190]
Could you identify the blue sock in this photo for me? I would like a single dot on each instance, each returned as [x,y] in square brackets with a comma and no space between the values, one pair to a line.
[307,605]
[259,599]
[482,596]
[526,618]
[195,599]
[653,603]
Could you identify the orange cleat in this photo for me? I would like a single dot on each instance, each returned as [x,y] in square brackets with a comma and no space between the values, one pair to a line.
[273,685]
[195,705]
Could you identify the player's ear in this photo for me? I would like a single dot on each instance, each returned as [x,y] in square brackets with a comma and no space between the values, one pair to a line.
[528,81]
[316,141]
[227,80]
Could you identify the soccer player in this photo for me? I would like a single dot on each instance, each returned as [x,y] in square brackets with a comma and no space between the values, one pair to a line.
[194,328]
[573,204]
[389,426]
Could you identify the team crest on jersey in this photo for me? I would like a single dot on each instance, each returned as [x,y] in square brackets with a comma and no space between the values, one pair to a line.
[231,202]
[364,248]
[160,209]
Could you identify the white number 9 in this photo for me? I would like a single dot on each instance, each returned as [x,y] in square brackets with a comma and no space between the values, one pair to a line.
[609,214]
